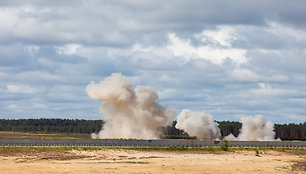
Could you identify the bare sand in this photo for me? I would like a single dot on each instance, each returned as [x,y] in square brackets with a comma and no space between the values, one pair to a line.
[143,161]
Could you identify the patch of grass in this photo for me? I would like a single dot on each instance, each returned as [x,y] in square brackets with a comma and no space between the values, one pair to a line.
[296,151]
[224,147]
[175,148]
[58,149]
[14,149]
[68,148]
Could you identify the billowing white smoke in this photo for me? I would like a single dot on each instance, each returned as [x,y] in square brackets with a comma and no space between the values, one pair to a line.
[254,129]
[129,113]
[199,124]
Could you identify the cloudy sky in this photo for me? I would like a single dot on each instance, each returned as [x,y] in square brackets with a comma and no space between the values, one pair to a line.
[229,58]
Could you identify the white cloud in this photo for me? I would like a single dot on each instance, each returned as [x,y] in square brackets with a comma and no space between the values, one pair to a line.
[266,90]
[8,18]
[246,75]
[168,93]
[298,100]
[22,89]
[283,31]
[68,49]
[12,106]
[211,53]
[297,117]
[223,36]
[40,76]
[39,106]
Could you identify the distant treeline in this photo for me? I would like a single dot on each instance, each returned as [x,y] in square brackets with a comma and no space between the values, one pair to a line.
[289,131]
[51,125]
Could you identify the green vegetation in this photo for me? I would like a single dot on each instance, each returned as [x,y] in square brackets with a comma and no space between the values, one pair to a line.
[67,148]
[293,138]
[229,127]
[300,151]
[224,147]
[290,131]
[51,125]
[32,149]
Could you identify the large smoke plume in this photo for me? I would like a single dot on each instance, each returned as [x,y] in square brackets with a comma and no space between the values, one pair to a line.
[199,124]
[254,129]
[134,113]
[129,113]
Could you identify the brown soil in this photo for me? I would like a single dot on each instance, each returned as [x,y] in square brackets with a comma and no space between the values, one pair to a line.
[138,161]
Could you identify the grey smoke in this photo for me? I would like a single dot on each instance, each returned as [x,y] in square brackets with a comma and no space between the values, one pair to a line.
[199,124]
[129,113]
[254,128]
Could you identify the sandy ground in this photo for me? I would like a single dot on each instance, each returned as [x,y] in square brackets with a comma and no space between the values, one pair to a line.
[140,161]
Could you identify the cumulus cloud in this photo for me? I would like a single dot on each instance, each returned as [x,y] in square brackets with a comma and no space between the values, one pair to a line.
[20,89]
[297,117]
[246,75]
[191,53]
[39,106]
[267,90]
[68,49]
[224,36]
[59,22]
[216,55]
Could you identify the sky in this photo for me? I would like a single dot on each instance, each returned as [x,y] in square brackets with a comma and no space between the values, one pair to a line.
[229,58]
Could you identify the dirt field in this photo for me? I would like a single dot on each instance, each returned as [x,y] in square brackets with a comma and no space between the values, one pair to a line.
[143,161]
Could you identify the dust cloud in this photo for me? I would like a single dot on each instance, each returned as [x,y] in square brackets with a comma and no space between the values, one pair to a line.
[199,124]
[134,113]
[129,113]
[254,128]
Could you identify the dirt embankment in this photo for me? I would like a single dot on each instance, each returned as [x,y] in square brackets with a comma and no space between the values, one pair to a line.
[139,161]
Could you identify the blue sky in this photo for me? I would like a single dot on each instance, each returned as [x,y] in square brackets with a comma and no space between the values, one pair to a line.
[229,58]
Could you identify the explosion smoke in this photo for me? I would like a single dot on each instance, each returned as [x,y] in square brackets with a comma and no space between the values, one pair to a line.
[199,124]
[255,129]
[129,113]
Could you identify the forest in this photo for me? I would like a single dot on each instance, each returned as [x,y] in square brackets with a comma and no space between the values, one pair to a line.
[291,131]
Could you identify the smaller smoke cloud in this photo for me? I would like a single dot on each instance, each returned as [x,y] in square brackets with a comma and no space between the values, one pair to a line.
[254,129]
[199,124]
[128,112]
